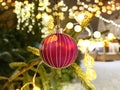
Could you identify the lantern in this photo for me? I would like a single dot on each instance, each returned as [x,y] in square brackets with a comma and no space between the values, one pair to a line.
[58,50]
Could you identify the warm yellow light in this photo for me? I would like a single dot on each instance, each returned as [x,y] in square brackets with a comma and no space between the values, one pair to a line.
[80,17]
[109,12]
[46,3]
[112,1]
[45,17]
[74,8]
[48,10]
[6,7]
[100,3]
[96,1]
[111,36]
[61,16]
[77,28]
[83,3]
[97,8]
[38,16]
[3,3]
[69,25]
[90,5]
[9,1]
[103,7]
[78,2]
[86,6]
[97,34]
[118,7]
[81,8]
[64,9]
[117,4]
[94,5]
[25,2]
[91,9]
[109,2]
[55,13]
[61,3]
[113,8]
[108,7]
[71,15]
[88,0]
[41,4]
[76,13]
[104,10]
[13,4]
[98,13]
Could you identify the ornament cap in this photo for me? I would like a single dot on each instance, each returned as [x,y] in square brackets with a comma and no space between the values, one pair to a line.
[58,29]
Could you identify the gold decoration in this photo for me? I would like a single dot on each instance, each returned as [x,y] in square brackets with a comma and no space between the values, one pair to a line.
[88,85]
[89,63]
[83,21]
[91,74]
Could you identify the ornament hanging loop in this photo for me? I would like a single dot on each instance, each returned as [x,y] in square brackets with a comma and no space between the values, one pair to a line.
[57,20]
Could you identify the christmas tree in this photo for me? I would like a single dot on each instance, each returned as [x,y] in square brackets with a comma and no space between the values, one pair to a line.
[21,65]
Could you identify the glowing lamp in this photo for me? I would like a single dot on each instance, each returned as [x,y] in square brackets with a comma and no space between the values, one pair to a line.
[97,34]
[69,25]
[77,28]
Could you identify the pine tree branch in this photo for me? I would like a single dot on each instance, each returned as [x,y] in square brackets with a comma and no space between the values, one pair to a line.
[19,72]
[81,75]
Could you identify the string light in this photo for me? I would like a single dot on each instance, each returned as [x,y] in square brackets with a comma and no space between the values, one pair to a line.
[77,28]
[109,21]
[3,3]
[111,36]
[112,6]
[75,12]
[69,25]
[97,34]
[9,1]
[6,4]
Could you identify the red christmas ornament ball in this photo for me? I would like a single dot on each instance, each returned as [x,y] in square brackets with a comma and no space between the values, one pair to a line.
[58,50]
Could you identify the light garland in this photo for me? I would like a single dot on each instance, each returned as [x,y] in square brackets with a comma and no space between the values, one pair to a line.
[6,4]
[81,18]
[24,11]
[27,18]
[109,21]
[98,6]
